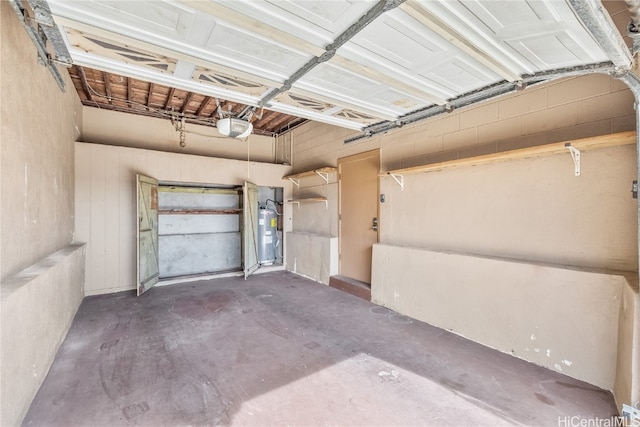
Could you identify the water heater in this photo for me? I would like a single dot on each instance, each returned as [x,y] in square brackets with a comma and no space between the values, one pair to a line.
[267,236]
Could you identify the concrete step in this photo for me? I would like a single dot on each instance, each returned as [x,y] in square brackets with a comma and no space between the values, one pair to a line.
[351,286]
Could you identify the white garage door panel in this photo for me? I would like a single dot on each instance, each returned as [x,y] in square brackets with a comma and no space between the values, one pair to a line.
[539,35]
[362,56]
[551,51]
[253,51]
[318,22]
[345,86]
[400,100]
[458,76]
[397,43]
[158,17]
[421,53]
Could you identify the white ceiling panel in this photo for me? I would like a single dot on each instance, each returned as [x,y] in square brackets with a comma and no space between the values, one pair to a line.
[317,21]
[159,18]
[251,51]
[530,35]
[349,87]
[397,44]
[346,62]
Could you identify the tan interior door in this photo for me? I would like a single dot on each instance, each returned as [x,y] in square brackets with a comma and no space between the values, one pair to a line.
[358,210]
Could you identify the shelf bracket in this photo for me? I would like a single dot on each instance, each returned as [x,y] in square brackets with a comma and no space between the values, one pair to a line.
[295,181]
[397,178]
[575,155]
[323,175]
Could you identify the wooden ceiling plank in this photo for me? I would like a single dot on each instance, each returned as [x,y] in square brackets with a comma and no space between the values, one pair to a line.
[203,105]
[267,118]
[169,98]
[277,123]
[187,100]
[119,96]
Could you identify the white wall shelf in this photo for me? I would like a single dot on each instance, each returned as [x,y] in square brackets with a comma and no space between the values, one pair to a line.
[310,200]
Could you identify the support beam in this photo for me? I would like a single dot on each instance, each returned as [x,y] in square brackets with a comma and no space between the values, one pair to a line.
[203,105]
[169,98]
[107,86]
[187,100]
[85,84]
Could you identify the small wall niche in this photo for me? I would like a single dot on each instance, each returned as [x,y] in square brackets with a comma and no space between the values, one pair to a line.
[200,228]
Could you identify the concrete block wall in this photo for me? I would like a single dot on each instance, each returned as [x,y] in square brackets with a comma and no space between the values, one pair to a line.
[567,109]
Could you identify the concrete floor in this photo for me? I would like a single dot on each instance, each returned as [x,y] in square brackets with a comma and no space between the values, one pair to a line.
[278,349]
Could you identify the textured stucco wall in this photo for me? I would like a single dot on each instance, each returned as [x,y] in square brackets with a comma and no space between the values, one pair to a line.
[41,274]
[39,125]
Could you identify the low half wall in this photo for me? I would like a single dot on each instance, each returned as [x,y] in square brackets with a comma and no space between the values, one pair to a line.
[312,255]
[561,318]
[38,306]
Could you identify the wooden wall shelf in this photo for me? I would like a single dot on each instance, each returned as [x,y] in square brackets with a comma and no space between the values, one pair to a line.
[570,147]
[321,172]
[199,211]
